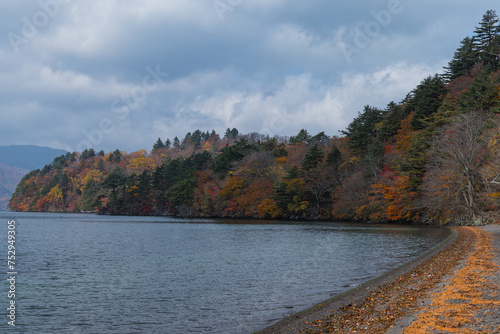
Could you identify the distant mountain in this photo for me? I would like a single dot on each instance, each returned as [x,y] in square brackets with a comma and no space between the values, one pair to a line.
[28,157]
[5,195]
[9,179]
[18,160]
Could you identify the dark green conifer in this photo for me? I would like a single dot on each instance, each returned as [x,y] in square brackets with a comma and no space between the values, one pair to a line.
[333,158]
[159,144]
[425,100]
[301,137]
[487,39]
[482,94]
[362,130]
[312,158]
[463,60]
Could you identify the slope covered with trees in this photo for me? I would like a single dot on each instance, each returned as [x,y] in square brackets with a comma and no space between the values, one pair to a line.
[16,161]
[434,157]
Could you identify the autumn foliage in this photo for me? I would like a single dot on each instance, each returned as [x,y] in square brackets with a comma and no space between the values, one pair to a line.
[434,157]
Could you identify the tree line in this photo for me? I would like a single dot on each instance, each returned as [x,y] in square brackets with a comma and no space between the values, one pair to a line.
[431,158]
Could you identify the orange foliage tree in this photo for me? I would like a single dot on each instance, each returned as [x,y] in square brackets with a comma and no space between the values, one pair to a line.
[392,196]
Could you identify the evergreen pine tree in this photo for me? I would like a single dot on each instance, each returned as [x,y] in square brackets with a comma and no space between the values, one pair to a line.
[87,154]
[463,60]
[312,158]
[302,136]
[321,138]
[231,133]
[362,130]
[333,158]
[487,39]
[116,157]
[393,115]
[177,144]
[426,99]
[482,94]
[196,138]
[159,144]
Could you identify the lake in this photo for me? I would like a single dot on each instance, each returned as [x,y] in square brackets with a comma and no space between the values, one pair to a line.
[80,273]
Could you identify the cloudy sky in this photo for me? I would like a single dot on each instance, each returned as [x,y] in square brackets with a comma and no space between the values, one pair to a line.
[120,73]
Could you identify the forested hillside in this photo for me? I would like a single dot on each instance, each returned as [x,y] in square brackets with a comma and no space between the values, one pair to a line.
[16,161]
[433,157]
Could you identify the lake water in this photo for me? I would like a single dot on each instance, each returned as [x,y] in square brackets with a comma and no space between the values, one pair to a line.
[105,274]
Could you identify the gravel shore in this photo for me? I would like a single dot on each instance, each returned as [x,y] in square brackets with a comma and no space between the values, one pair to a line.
[466,300]
[453,289]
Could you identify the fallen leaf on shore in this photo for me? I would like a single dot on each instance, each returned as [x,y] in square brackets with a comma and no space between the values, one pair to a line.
[449,310]
[380,310]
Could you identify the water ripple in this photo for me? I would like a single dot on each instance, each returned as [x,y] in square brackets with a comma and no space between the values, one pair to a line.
[95,274]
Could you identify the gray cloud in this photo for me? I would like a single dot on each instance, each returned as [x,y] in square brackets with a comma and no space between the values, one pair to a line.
[272,66]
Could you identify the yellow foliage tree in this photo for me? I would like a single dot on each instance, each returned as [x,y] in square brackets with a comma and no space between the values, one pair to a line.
[92,175]
[54,198]
[140,164]
[268,208]
[55,194]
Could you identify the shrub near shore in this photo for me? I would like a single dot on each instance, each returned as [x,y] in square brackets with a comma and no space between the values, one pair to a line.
[434,157]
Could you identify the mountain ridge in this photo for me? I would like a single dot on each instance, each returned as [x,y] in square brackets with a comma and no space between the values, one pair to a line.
[16,156]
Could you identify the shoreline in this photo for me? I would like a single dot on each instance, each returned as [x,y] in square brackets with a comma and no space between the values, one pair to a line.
[304,319]
[453,289]
[466,301]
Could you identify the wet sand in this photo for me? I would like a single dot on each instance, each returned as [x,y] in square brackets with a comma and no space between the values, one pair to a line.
[451,289]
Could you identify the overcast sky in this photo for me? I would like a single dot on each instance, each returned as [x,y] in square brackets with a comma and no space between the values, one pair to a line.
[120,73]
